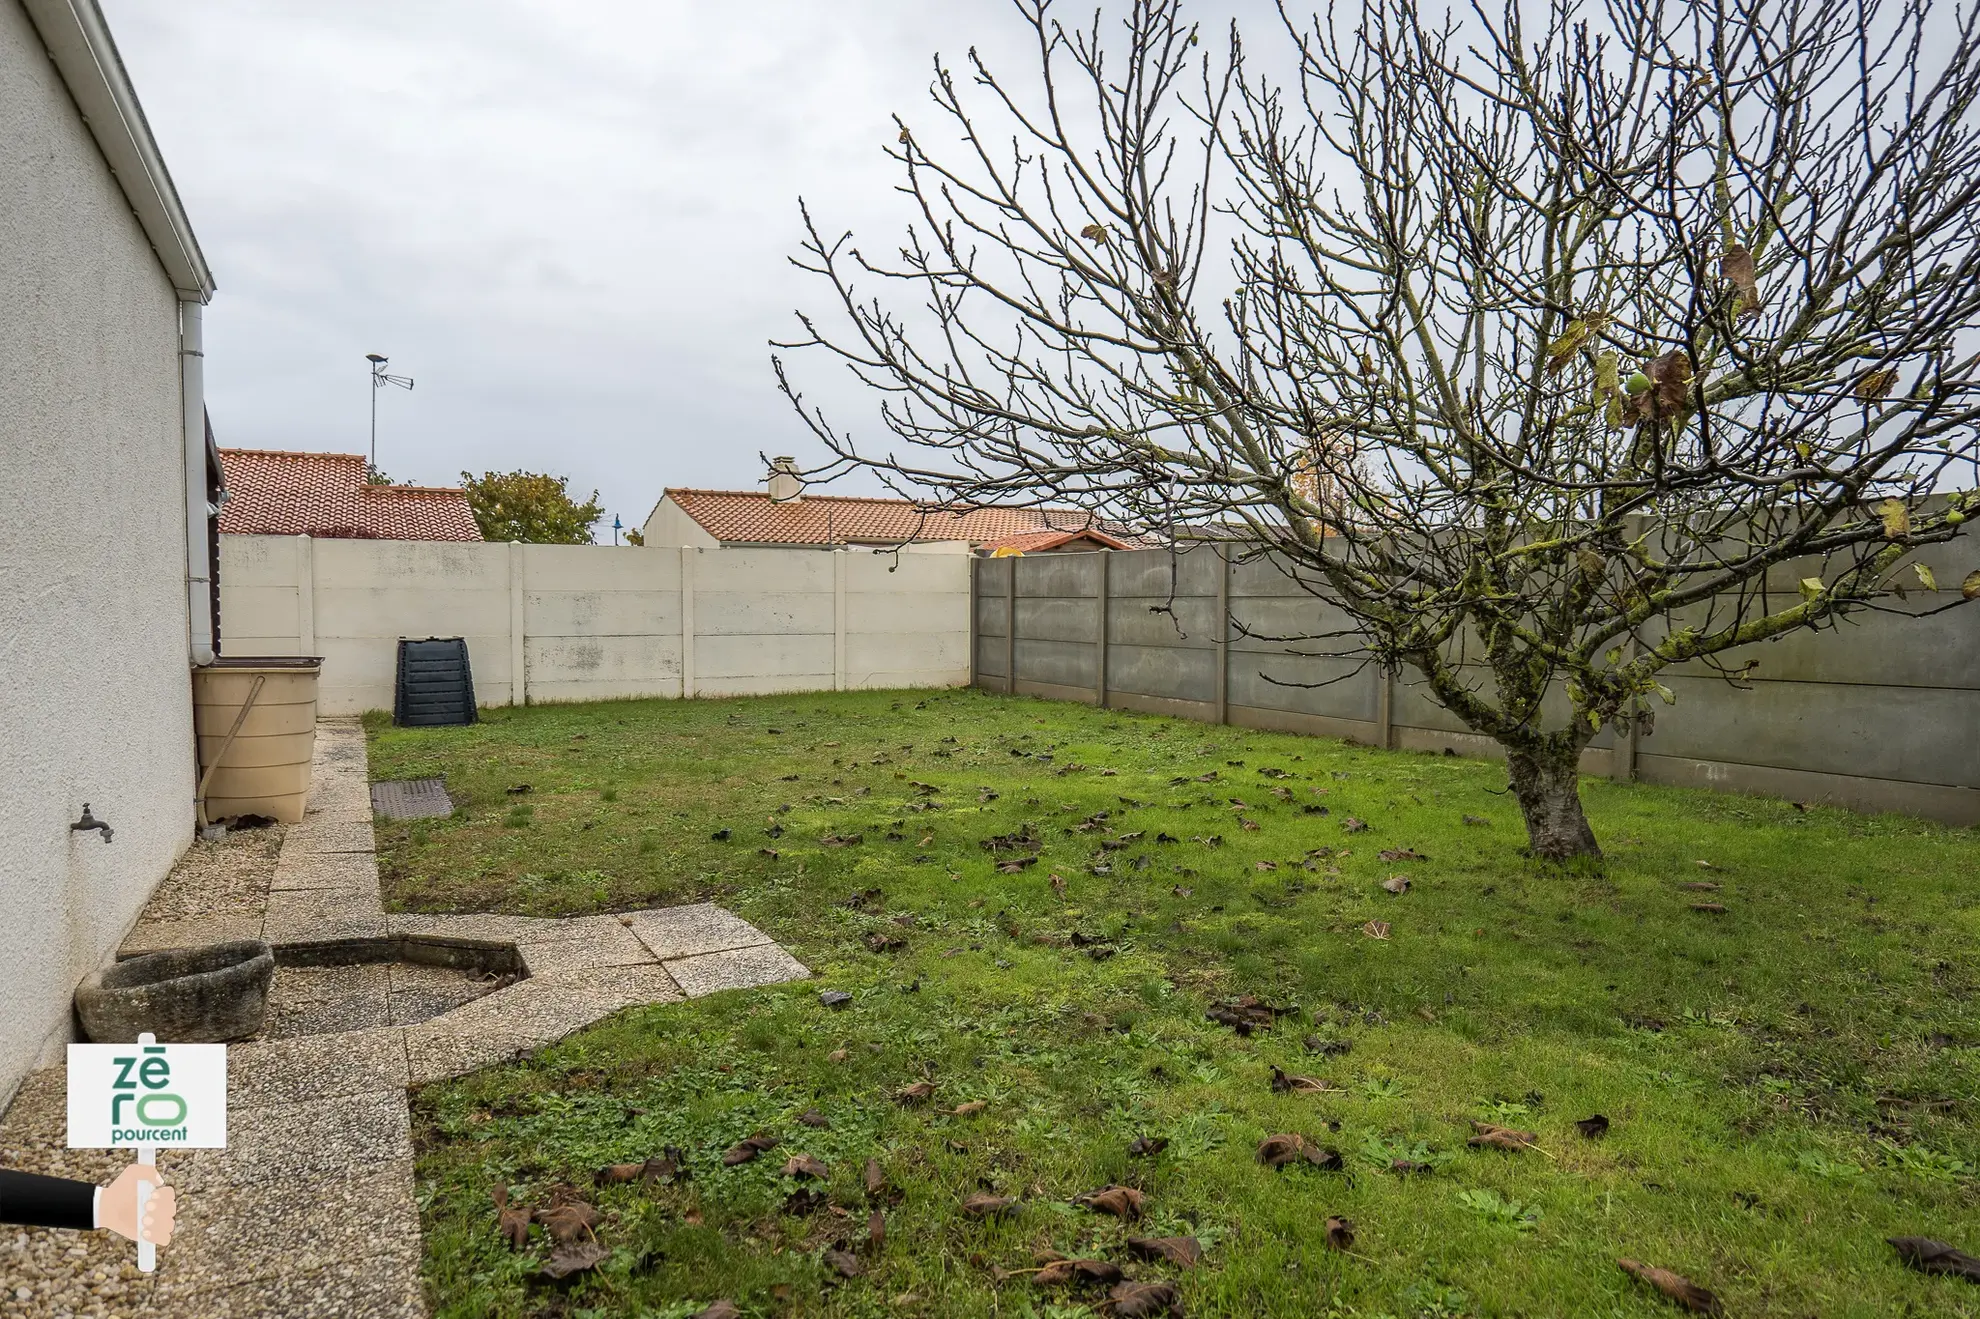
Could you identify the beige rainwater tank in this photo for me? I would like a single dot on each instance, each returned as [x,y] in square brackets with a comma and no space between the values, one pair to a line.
[265,769]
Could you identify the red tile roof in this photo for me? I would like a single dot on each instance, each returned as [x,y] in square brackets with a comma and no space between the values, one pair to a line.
[276,492]
[1033,542]
[749,517]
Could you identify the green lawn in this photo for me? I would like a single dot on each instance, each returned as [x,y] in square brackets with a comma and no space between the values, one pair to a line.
[1789,1081]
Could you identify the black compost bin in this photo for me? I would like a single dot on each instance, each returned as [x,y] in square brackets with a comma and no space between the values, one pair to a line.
[435,685]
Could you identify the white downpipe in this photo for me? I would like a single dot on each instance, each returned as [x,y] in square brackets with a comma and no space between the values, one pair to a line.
[199,568]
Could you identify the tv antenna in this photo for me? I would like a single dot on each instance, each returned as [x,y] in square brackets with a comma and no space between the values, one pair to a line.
[379,379]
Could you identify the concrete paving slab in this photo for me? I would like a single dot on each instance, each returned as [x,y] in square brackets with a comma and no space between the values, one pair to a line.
[320,835]
[276,1230]
[327,1000]
[383,1291]
[535,1010]
[482,927]
[350,872]
[439,1055]
[421,992]
[312,1067]
[157,936]
[604,990]
[596,946]
[735,968]
[303,930]
[300,1145]
[686,931]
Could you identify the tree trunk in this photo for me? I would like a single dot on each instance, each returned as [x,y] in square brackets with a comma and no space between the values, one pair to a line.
[1545,781]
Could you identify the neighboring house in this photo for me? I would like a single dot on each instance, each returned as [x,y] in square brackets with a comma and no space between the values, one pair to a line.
[781,514]
[276,492]
[106,596]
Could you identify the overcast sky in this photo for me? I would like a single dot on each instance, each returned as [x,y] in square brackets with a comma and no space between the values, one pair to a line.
[567,223]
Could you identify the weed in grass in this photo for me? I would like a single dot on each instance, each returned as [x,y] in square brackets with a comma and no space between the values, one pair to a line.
[1488,1204]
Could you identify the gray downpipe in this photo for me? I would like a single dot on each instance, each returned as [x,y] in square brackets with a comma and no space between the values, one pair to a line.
[199,567]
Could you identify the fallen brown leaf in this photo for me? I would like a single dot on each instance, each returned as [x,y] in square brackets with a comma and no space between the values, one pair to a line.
[1340,1232]
[1278,1151]
[1701,886]
[1083,1272]
[1285,1084]
[1354,825]
[971,1108]
[836,1056]
[1710,908]
[811,1117]
[985,1205]
[918,1093]
[1147,1147]
[842,1262]
[613,1174]
[574,1257]
[723,1309]
[745,1150]
[876,1231]
[1677,1288]
[1144,1300]
[512,1221]
[1121,1201]
[1929,1256]
[803,1165]
[1247,1013]
[571,1221]
[1183,1252]
[1401,854]
[1492,1136]
[1397,884]
[1594,1128]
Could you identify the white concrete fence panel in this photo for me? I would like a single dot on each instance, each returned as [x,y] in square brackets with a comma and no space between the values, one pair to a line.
[591,622]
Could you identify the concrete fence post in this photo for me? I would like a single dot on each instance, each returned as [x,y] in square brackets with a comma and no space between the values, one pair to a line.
[975,616]
[1100,634]
[305,596]
[838,620]
[518,638]
[1010,627]
[1385,707]
[687,622]
[1223,633]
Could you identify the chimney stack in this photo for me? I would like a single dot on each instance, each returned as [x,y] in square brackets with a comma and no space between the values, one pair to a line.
[785,485]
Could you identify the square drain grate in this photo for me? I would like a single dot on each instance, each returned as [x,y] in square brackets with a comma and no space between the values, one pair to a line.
[411,799]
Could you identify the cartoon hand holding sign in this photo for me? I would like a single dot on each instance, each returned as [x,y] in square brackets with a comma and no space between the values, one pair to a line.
[143,1096]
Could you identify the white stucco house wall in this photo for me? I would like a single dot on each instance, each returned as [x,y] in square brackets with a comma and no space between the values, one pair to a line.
[104,598]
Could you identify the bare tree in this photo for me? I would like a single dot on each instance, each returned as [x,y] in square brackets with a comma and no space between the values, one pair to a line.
[1562,343]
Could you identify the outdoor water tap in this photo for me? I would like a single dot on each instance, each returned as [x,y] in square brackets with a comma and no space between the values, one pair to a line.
[89,822]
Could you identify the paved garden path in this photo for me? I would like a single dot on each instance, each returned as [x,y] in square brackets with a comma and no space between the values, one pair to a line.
[309,1211]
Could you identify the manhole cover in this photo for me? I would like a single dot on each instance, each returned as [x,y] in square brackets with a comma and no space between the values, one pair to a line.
[411,799]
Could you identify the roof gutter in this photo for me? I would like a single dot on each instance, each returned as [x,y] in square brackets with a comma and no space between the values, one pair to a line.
[79,43]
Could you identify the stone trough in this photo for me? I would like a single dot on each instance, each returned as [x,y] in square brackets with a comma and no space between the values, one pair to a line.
[203,995]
